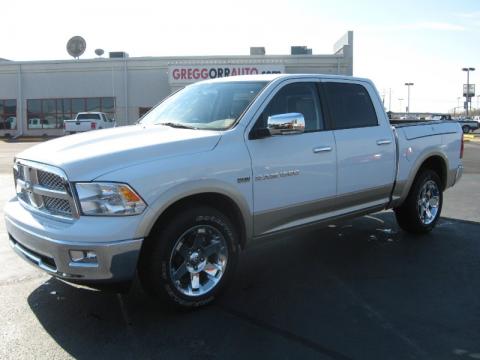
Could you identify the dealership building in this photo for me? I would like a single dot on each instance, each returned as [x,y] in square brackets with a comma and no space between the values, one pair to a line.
[36,96]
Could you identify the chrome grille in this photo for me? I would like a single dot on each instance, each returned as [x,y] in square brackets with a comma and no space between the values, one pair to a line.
[57,206]
[50,181]
[43,188]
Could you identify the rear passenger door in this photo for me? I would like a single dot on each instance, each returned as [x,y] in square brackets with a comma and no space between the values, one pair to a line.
[365,145]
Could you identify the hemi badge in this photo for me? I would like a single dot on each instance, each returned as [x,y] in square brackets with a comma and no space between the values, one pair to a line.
[242,180]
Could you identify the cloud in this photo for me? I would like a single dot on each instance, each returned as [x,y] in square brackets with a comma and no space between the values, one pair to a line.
[469,15]
[428,25]
[420,25]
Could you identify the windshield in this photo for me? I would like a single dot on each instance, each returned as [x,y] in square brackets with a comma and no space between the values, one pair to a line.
[212,106]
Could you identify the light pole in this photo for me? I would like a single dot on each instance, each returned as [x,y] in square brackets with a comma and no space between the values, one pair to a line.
[400,101]
[467,94]
[408,101]
[390,100]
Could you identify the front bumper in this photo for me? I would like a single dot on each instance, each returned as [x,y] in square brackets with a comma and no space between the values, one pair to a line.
[36,240]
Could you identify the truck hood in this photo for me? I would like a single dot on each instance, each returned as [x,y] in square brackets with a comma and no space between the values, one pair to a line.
[89,155]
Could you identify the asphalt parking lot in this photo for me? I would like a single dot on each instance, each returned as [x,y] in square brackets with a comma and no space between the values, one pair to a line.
[360,290]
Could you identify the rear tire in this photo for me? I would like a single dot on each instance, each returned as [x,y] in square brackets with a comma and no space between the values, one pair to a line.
[190,260]
[421,209]
[465,129]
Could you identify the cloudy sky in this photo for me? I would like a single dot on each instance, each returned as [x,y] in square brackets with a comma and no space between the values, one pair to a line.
[426,42]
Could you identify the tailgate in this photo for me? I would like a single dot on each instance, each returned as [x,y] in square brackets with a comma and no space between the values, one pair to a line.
[77,125]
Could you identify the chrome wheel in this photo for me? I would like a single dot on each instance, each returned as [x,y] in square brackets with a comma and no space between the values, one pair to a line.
[198,260]
[428,202]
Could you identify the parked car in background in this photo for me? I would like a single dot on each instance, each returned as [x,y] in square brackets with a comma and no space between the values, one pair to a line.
[467,124]
[11,122]
[86,121]
[37,123]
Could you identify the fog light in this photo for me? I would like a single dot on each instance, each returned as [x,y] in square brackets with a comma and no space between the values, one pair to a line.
[83,256]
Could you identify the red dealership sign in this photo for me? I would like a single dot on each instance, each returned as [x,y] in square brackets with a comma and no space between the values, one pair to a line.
[190,74]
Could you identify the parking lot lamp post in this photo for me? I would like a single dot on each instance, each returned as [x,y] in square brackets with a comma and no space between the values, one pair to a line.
[467,93]
[408,99]
[400,101]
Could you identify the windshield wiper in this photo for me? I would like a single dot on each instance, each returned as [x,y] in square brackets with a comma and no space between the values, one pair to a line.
[177,125]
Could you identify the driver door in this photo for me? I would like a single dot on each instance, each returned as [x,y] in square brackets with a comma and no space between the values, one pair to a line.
[294,175]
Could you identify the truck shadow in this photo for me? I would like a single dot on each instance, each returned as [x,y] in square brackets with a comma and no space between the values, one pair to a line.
[361,289]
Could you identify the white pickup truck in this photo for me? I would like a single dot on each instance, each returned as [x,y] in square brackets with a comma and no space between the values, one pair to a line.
[86,121]
[216,166]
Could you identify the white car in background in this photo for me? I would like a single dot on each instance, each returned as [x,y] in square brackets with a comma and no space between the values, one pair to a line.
[86,121]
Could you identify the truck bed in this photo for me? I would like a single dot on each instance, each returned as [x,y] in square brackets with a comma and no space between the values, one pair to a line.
[403,123]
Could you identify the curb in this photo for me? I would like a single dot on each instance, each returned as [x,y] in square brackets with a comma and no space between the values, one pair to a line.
[27,139]
[473,138]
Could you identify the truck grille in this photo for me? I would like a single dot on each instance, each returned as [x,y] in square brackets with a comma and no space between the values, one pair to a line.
[57,206]
[44,189]
[50,181]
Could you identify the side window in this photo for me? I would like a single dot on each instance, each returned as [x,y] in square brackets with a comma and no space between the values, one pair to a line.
[297,97]
[350,106]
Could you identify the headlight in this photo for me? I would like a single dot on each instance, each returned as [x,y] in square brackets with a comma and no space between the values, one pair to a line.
[109,199]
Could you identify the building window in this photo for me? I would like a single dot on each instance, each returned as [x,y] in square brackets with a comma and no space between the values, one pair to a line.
[143,110]
[8,114]
[50,113]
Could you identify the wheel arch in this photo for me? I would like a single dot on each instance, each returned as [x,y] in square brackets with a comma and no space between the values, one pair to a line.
[437,162]
[218,201]
[229,202]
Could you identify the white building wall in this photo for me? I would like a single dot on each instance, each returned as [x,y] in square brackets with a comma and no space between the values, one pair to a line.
[136,82]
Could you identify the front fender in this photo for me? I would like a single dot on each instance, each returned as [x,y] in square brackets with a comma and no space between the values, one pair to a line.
[183,190]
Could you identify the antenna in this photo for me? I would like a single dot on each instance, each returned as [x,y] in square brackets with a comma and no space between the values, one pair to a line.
[76,46]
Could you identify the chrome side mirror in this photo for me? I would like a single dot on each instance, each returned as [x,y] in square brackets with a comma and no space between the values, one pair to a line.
[286,124]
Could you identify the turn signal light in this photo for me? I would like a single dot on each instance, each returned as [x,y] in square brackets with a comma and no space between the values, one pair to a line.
[128,194]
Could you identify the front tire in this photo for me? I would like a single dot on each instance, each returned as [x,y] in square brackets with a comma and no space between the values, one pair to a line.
[465,129]
[421,209]
[190,260]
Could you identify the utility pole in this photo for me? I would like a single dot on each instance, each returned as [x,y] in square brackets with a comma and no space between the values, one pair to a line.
[390,100]
[408,101]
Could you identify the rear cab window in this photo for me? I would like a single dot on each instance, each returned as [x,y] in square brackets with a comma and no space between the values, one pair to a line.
[350,105]
[88,117]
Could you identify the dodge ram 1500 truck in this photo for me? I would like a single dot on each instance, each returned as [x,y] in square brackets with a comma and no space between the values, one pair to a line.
[216,166]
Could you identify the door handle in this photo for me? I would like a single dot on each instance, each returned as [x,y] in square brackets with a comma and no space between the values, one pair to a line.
[322,149]
[384,142]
